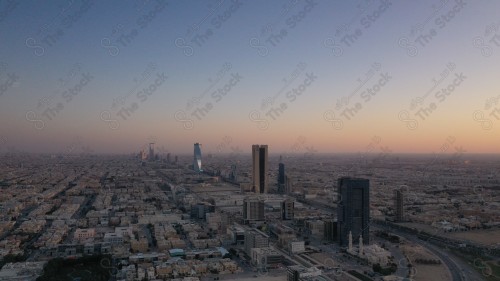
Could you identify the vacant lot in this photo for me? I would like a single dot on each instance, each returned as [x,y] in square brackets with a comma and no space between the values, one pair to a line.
[485,237]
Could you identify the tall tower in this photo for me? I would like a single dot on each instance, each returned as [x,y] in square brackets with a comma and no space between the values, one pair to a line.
[151,156]
[281,176]
[353,214]
[197,158]
[259,171]
[398,205]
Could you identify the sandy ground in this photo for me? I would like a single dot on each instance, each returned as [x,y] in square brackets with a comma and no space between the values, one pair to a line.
[485,237]
[425,272]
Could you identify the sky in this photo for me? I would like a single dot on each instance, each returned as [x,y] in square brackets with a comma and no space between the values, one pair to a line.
[300,76]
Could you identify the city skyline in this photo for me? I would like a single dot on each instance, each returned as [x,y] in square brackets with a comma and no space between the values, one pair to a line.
[337,74]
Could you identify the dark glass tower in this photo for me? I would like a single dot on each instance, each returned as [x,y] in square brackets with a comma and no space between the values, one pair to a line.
[197,158]
[281,172]
[353,214]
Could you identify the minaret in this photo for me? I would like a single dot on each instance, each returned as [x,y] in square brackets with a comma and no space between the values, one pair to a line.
[361,245]
[350,242]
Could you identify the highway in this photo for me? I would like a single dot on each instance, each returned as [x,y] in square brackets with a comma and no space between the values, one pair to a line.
[459,270]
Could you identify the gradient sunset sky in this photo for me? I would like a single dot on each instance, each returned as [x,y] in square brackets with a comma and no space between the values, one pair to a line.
[328,76]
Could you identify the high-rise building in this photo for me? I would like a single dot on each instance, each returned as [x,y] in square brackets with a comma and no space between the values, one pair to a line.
[151,156]
[281,176]
[197,158]
[398,205]
[253,209]
[353,214]
[287,209]
[259,171]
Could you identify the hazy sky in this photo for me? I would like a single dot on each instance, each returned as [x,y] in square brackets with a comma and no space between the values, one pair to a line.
[325,76]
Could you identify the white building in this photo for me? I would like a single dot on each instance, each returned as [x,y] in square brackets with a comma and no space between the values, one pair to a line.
[84,234]
[113,238]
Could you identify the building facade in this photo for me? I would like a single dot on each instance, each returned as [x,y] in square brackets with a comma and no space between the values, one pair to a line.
[353,214]
[253,209]
[197,158]
[259,168]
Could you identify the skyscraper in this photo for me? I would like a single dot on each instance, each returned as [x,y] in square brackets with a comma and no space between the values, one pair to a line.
[259,171]
[197,158]
[151,156]
[398,205]
[353,214]
[281,176]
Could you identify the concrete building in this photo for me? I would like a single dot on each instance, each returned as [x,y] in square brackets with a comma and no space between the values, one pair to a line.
[113,238]
[264,258]
[200,210]
[253,209]
[84,234]
[298,272]
[255,239]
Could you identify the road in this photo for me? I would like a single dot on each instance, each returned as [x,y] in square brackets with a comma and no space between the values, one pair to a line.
[459,270]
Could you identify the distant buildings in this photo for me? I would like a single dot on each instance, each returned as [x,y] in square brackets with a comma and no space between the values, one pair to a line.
[353,214]
[253,209]
[197,158]
[398,205]
[260,167]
